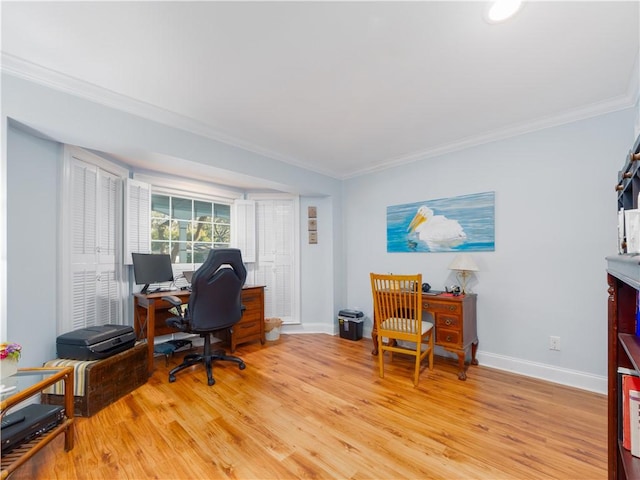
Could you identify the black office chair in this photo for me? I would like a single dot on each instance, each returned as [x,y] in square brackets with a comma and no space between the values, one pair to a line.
[214,305]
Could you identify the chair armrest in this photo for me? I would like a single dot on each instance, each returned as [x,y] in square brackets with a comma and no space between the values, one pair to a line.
[173,300]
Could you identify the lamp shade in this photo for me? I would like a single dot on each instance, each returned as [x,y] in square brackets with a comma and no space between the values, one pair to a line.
[465,262]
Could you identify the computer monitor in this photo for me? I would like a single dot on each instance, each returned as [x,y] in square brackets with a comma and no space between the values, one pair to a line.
[151,268]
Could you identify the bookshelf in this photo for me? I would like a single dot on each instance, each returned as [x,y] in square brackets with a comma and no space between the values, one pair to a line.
[623,279]
[628,186]
[624,351]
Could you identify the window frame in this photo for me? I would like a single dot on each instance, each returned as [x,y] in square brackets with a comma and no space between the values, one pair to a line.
[190,246]
[193,190]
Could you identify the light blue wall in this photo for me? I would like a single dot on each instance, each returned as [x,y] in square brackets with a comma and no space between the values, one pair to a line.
[555,223]
[32,232]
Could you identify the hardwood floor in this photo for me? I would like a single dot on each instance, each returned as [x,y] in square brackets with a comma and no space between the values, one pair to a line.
[313,406]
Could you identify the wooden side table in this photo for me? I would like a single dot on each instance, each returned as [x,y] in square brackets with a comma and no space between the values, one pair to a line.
[31,382]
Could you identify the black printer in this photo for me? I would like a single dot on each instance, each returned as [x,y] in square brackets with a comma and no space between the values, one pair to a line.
[95,343]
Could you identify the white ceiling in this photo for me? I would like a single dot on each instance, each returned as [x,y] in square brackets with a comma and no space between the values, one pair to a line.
[341,88]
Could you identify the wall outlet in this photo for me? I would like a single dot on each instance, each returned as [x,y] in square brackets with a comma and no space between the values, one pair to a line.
[554,343]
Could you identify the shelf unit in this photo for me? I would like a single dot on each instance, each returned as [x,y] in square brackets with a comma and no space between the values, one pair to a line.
[51,375]
[628,185]
[623,279]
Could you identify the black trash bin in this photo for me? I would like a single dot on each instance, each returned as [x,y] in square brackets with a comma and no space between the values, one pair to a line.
[351,322]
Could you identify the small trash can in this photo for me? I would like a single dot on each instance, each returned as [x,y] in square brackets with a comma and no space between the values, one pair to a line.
[351,322]
[272,328]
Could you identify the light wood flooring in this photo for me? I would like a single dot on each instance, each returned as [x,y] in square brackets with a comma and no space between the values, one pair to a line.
[313,406]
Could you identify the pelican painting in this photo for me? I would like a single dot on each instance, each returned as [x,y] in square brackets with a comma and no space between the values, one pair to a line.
[437,231]
[463,223]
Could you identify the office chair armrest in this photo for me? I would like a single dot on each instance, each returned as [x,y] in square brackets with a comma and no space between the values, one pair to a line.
[173,300]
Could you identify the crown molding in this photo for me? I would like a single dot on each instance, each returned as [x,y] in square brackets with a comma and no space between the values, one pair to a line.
[630,99]
[35,73]
[600,108]
[21,68]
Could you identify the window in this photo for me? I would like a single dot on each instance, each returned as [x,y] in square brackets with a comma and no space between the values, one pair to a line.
[187,228]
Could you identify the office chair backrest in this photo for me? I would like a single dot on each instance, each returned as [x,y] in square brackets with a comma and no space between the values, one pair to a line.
[216,289]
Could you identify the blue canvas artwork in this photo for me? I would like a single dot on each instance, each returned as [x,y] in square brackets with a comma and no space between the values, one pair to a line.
[456,224]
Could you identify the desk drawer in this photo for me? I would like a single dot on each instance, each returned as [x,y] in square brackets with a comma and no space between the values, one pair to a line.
[448,321]
[441,307]
[251,314]
[246,328]
[444,336]
[253,306]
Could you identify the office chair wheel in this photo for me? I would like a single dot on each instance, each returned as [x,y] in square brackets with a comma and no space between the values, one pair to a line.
[172,378]
[242,366]
[211,381]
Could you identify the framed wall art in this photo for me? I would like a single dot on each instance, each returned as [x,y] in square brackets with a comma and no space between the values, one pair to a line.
[463,223]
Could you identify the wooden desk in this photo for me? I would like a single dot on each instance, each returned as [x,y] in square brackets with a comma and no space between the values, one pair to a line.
[455,326]
[150,312]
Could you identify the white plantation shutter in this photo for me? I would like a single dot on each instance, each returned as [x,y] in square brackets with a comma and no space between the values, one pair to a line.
[108,208]
[84,200]
[108,307]
[277,264]
[244,229]
[138,219]
[91,276]
[83,301]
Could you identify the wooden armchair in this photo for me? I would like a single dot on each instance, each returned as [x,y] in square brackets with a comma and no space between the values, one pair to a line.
[397,306]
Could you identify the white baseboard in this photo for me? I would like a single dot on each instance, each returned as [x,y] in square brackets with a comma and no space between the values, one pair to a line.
[320,327]
[551,373]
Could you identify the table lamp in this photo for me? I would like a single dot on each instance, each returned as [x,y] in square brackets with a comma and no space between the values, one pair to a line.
[464,265]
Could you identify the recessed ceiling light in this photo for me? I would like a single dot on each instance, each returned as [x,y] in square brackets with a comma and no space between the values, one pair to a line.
[501,10]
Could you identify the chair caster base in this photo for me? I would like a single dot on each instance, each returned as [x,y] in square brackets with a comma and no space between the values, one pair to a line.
[242,366]
[172,378]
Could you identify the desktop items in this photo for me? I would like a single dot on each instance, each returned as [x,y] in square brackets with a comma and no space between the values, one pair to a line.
[152,268]
[453,290]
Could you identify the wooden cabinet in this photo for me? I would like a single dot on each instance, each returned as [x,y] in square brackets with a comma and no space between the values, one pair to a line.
[32,381]
[455,324]
[623,278]
[251,326]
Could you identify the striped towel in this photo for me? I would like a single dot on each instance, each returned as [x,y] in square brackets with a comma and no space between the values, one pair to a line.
[79,369]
